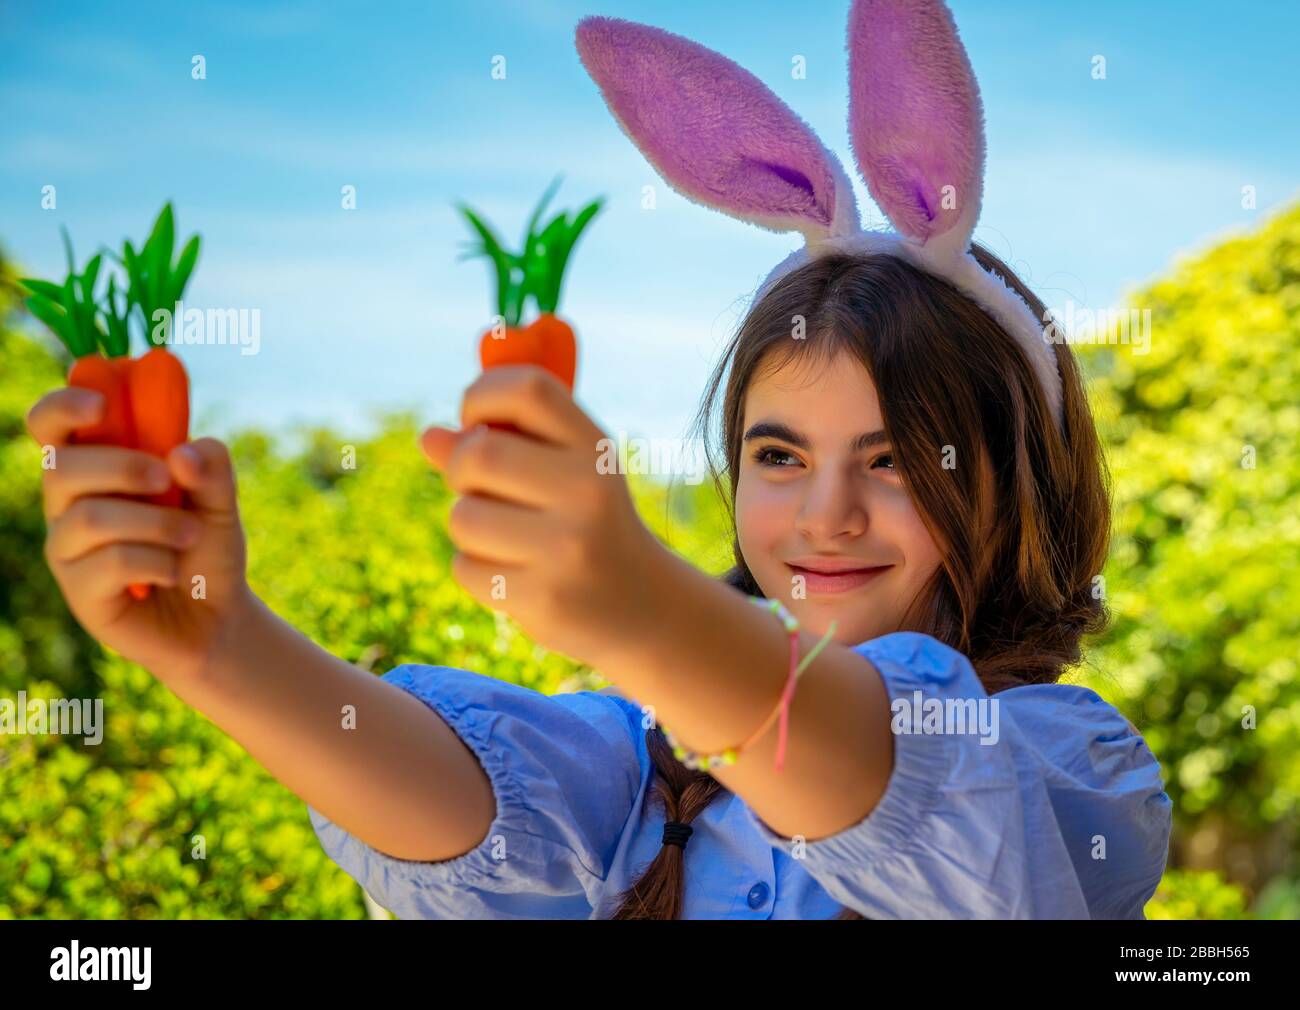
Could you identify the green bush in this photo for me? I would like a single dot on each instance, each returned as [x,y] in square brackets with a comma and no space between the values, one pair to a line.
[1201,894]
[1202,434]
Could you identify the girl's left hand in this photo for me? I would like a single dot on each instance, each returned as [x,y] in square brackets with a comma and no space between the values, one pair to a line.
[541,533]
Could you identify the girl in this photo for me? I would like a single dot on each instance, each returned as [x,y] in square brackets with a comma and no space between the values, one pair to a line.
[911,483]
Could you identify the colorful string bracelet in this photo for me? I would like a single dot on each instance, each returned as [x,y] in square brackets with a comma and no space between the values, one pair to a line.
[703,762]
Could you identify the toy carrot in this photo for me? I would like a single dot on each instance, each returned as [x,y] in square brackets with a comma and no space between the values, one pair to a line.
[157,384]
[535,273]
[69,311]
[146,399]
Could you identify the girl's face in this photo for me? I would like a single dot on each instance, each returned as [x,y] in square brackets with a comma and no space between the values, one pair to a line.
[819,489]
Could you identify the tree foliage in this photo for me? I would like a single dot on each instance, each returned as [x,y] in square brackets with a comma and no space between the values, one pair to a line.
[1202,435]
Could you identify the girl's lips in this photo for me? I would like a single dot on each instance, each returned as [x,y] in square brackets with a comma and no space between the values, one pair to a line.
[836,582]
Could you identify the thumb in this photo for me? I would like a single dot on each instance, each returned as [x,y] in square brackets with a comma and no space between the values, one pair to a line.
[438,444]
[203,468]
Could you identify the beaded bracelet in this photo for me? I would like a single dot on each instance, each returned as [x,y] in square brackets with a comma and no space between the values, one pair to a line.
[703,762]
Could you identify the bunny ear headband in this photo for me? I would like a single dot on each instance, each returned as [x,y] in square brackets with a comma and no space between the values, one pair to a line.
[720,138]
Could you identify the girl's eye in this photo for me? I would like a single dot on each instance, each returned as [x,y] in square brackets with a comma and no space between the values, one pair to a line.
[771,456]
[764,456]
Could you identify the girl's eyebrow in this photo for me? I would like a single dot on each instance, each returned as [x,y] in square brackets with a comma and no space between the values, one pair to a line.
[778,430]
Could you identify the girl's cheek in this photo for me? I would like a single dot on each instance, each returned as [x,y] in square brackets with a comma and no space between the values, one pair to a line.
[762,525]
[895,511]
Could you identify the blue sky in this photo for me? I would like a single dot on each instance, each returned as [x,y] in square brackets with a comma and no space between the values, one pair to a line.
[1092,187]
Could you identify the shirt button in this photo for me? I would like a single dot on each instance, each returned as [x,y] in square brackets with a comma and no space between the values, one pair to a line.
[757,895]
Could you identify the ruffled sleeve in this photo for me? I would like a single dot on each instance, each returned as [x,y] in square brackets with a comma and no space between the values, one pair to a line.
[1034,803]
[565,770]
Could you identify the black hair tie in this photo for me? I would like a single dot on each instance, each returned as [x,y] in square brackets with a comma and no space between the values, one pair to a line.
[676,833]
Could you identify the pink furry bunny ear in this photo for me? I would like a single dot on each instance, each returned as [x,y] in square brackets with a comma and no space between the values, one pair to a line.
[715,133]
[916,121]
[917,127]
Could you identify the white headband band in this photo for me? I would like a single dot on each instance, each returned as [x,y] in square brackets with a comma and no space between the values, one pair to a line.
[987,290]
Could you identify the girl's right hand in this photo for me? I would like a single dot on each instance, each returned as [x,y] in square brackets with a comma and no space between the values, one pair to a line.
[98,542]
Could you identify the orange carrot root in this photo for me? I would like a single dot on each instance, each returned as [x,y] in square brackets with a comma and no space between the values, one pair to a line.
[111,377]
[160,407]
[159,395]
[547,341]
[105,376]
[557,347]
[517,346]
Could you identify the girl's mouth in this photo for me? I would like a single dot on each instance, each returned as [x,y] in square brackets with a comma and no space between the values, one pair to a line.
[837,582]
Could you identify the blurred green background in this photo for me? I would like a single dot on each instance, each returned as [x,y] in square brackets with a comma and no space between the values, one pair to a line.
[1201,435]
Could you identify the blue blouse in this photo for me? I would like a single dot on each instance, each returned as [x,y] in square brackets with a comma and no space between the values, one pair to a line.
[1064,816]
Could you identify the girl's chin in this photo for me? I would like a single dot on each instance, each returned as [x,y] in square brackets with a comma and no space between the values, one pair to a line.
[816,611]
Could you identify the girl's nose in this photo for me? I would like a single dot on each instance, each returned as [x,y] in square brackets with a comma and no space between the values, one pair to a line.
[833,507]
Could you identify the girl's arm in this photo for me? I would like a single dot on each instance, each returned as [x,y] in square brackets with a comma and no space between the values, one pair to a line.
[713,666]
[400,778]
[542,515]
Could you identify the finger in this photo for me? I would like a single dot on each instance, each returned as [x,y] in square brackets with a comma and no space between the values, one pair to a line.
[438,443]
[499,532]
[84,470]
[105,573]
[489,582]
[511,467]
[91,523]
[56,415]
[204,469]
[531,398]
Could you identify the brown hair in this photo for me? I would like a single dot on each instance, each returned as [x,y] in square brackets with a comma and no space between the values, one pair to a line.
[1025,533]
